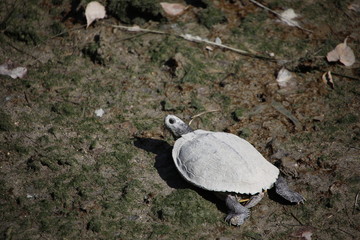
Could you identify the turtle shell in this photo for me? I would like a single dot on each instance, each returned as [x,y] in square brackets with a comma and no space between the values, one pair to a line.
[222,162]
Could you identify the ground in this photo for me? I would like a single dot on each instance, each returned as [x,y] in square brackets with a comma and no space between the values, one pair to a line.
[66,173]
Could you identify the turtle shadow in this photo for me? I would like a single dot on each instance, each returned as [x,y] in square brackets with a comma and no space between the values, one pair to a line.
[163,161]
[166,169]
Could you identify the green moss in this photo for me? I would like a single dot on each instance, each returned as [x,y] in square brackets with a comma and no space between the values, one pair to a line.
[91,50]
[192,74]
[144,125]
[237,114]
[5,122]
[163,50]
[58,29]
[185,207]
[253,24]
[57,2]
[135,11]
[94,225]
[244,133]
[25,34]
[221,99]
[348,119]
[65,108]
[211,16]
[196,103]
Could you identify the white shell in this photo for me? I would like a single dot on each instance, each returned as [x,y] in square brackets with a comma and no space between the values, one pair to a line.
[222,162]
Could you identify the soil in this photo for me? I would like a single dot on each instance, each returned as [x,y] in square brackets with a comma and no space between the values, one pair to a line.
[66,173]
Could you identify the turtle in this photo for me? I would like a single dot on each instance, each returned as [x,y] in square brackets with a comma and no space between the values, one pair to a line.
[228,165]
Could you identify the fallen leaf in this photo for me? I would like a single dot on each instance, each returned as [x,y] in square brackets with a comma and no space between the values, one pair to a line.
[99,112]
[327,79]
[304,232]
[218,40]
[354,6]
[288,16]
[285,79]
[93,11]
[342,53]
[16,72]
[173,9]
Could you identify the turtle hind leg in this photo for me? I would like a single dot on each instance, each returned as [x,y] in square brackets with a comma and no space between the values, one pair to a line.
[282,189]
[237,212]
[254,200]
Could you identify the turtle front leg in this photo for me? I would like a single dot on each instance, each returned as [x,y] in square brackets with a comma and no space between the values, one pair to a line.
[284,191]
[237,212]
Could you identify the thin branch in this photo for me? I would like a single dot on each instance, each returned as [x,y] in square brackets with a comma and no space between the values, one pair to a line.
[191,38]
[345,76]
[277,14]
[202,113]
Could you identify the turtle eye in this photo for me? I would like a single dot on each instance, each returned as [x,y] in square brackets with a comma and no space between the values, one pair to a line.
[171,121]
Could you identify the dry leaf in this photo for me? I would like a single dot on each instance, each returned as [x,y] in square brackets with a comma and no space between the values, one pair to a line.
[18,72]
[218,40]
[99,112]
[343,53]
[327,79]
[93,11]
[354,6]
[173,9]
[288,16]
[285,79]
[304,233]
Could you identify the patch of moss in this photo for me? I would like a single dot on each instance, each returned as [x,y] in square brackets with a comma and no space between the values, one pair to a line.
[58,29]
[135,11]
[211,16]
[163,50]
[253,23]
[92,51]
[25,34]
[237,114]
[185,207]
[57,2]
[94,225]
[244,133]
[5,121]
[221,99]
[196,103]
[64,108]
[144,125]
[348,119]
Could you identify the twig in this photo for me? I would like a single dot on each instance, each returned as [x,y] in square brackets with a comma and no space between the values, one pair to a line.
[293,215]
[277,14]
[136,29]
[345,76]
[67,30]
[202,113]
[27,99]
[191,38]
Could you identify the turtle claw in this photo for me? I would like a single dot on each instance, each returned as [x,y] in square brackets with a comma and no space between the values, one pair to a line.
[237,219]
[297,198]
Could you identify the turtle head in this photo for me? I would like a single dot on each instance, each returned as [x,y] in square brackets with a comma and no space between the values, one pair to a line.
[176,126]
